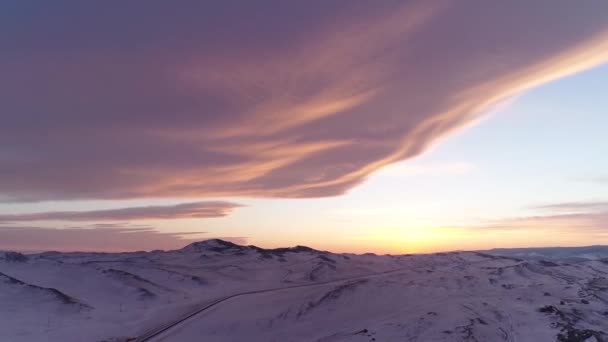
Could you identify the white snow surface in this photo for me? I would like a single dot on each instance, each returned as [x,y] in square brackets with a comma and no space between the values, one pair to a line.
[457,296]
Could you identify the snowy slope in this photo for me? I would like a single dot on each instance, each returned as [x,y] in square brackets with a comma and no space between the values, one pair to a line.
[572,254]
[459,296]
[448,297]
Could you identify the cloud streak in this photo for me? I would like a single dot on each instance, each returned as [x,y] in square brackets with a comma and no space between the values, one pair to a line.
[575,207]
[433,170]
[114,238]
[574,218]
[179,211]
[578,223]
[213,100]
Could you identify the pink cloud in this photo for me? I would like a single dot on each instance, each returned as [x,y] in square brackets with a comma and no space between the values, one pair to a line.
[265,99]
[582,218]
[179,211]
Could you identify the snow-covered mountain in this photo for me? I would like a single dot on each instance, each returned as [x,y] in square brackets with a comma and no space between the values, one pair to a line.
[301,294]
[572,254]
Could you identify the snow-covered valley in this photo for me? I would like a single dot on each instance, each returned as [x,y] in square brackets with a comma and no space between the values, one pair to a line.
[313,295]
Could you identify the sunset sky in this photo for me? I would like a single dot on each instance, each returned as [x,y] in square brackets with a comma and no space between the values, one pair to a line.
[350,126]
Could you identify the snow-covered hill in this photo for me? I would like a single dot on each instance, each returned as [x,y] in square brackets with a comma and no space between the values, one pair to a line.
[571,254]
[458,296]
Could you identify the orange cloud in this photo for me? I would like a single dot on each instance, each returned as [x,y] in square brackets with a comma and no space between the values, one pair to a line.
[305,100]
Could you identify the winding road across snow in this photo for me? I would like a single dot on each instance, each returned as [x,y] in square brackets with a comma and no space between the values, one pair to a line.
[157,332]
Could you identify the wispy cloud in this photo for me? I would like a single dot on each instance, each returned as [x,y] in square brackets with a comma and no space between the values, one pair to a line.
[211,100]
[432,170]
[574,207]
[117,238]
[574,223]
[579,218]
[598,180]
[179,211]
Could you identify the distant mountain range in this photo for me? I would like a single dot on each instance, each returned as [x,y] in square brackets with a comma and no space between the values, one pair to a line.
[302,294]
[572,254]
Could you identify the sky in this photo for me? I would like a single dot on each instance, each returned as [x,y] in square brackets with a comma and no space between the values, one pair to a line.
[349,126]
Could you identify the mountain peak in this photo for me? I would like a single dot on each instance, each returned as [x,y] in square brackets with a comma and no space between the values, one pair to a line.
[219,245]
[212,245]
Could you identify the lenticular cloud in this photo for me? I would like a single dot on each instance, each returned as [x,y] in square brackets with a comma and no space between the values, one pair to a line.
[304,100]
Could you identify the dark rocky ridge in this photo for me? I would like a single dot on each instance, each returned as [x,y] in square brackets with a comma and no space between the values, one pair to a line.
[13,257]
[222,246]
